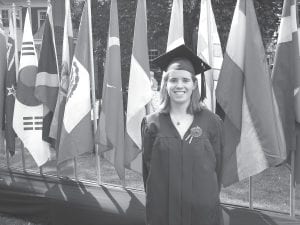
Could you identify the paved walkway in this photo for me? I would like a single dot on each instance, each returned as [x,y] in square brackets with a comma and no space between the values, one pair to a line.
[62,202]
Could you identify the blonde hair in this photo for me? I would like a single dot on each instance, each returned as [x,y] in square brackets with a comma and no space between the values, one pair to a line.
[195,103]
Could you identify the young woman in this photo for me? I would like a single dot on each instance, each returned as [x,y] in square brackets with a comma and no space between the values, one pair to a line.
[182,148]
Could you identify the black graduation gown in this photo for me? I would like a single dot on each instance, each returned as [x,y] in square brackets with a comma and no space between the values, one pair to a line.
[182,177]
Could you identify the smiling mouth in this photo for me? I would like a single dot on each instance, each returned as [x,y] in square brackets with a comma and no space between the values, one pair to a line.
[179,92]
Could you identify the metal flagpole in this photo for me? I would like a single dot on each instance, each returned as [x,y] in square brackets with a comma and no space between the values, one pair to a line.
[75,168]
[292,185]
[15,36]
[210,58]
[250,192]
[22,144]
[293,156]
[23,157]
[5,149]
[57,69]
[7,158]
[93,90]
[16,39]
[29,11]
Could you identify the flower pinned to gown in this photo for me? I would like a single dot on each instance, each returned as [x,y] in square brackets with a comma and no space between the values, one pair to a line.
[194,133]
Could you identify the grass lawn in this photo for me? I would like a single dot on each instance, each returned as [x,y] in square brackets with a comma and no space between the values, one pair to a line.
[9,220]
[270,188]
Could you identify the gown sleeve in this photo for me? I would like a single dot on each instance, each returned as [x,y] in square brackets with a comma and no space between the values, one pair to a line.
[218,145]
[147,144]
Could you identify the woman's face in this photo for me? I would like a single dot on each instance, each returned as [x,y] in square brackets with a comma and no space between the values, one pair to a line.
[180,86]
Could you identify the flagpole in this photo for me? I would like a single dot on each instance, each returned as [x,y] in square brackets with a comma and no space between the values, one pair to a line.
[16,39]
[208,7]
[250,192]
[57,67]
[30,19]
[7,159]
[17,68]
[53,36]
[23,156]
[48,4]
[75,168]
[29,10]
[22,144]
[93,91]
[292,186]
[5,149]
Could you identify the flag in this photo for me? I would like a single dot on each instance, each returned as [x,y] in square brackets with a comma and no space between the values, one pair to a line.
[110,133]
[139,88]
[67,54]
[77,134]
[28,111]
[176,29]
[209,49]
[47,80]
[253,131]
[59,9]
[3,70]
[286,78]
[10,84]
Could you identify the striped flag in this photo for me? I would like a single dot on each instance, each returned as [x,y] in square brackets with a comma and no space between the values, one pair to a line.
[28,111]
[3,70]
[176,30]
[10,83]
[286,78]
[139,88]
[47,80]
[209,49]
[67,54]
[110,133]
[77,133]
[253,131]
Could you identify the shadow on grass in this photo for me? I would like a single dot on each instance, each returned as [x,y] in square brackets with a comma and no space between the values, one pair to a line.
[243,216]
[70,203]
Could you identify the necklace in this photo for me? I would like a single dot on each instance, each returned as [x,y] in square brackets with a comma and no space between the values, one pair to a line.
[175,121]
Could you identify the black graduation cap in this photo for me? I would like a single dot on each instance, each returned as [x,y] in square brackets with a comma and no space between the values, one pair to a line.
[182,57]
[181,52]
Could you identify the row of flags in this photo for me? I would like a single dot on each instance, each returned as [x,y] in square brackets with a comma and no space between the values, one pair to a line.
[253,132]
[42,113]
[286,81]
[261,112]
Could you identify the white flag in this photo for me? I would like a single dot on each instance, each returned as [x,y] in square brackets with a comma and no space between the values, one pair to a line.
[28,111]
[209,49]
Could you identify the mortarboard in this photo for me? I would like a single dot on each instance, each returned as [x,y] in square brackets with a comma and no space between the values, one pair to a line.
[182,58]
[182,54]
